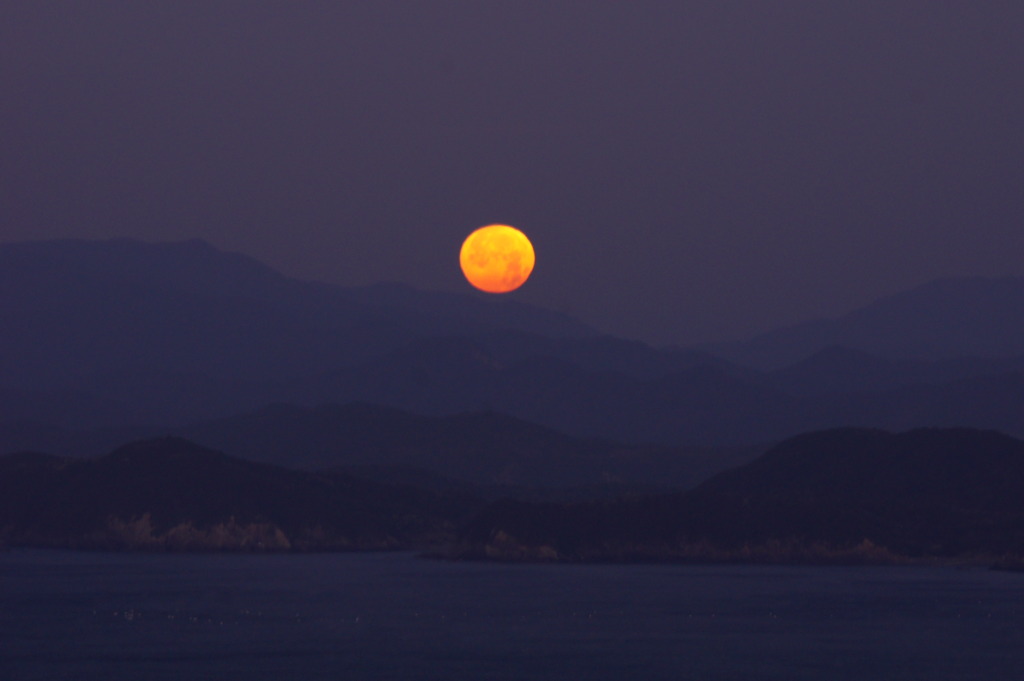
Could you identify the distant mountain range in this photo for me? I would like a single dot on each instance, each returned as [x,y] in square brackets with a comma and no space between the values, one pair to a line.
[708,403]
[122,334]
[843,496]
[943,319]
[476,449]
[124,331]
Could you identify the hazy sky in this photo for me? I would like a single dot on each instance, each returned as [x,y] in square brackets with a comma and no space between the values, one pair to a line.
[687,171]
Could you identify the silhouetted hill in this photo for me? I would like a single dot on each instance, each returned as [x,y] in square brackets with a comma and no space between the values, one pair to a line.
[476,448]
[171,494]
[943,319]
[397,474]
[484,448]
[705,404]
[597,353]
[940,492]
[837,370]
[699,404]
[845,495]
[990,402]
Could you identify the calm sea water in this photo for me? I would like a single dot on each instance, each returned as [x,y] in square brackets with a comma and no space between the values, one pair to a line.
[87,616]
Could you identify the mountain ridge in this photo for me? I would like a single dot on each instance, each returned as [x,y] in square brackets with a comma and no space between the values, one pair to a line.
[480,448]
[944,318]
[208,334]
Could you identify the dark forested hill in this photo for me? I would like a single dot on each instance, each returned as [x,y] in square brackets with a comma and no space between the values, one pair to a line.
[171,494]
[845,495]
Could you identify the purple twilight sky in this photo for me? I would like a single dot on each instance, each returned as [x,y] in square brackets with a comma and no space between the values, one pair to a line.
[688,171]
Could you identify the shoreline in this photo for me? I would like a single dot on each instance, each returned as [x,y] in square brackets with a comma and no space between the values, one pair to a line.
[986,562]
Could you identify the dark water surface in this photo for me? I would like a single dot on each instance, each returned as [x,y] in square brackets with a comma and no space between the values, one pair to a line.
[393,616]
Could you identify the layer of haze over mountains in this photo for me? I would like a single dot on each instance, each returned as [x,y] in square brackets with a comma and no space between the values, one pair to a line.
[120,333]
[426,406]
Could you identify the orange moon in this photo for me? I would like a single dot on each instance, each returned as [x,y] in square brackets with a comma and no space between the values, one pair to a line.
[497,258]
